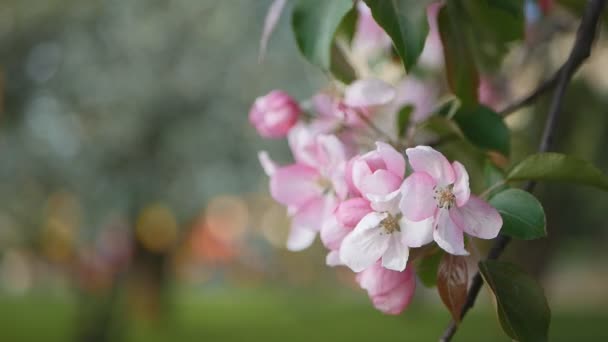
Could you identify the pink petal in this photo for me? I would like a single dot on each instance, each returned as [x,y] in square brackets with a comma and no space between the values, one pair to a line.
[270,22]
[396,255]
[416,234]
[426,159]
[461,190]
[301,141]
[395,301]
[360,170]
[380,182]
[368,93]
[417,202]
[268,164]
[294,185]
[478,218]
[300,238]
[394,161]
[351,211]
[390,291]
[448,235]
[310,215]
[365,244]
[330,150]
[377,279]
[348,175]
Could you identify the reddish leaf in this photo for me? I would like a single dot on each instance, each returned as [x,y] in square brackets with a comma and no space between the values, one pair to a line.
[452,283]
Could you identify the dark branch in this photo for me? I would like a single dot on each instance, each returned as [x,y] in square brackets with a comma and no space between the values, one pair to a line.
[579,53]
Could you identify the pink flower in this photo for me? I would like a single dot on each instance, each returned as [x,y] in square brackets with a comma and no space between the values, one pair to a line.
[390,291]
[378,175]
[274,114]
[440,191]
[310,188]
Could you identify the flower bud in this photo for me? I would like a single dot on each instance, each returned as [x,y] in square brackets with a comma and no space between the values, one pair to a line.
[274,114]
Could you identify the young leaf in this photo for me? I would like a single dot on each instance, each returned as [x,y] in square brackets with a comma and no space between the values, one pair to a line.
[452,283]
[521,305]
[523,216]
[461,71]
[558,167]
[314,24]
[427,268]
[405,21]
[484,128]
[403,119]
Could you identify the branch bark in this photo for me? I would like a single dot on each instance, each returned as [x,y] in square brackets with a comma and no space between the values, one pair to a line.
[581,50]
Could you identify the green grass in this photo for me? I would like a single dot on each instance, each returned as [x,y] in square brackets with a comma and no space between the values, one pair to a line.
[237,315]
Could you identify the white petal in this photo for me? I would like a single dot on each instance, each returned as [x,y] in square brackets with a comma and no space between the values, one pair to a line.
[300,238]
[416,234]
[369,93]
[386,203]
[448,235]
[365,244]
[333,259]
[397,253]
[268,164]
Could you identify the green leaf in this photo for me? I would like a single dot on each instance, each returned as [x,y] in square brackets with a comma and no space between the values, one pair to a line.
[521,305]
[314,24]
[340,67]
[403,119]
[405,21]
[461,71]
[348,26]
[484,128]
[558,167]
[427,268]
[492,26]
[522,214]
[476,35]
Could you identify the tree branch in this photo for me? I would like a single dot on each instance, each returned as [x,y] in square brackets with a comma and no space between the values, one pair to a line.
[579,53]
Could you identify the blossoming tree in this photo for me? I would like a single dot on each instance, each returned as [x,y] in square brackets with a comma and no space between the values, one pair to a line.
[408,78]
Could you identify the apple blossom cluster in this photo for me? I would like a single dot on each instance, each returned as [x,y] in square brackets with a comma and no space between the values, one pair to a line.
[371,200]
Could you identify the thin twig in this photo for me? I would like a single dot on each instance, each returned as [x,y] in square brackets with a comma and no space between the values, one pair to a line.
[533,96]
[579,53]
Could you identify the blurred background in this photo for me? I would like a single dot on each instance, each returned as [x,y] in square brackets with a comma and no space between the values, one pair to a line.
[133,206]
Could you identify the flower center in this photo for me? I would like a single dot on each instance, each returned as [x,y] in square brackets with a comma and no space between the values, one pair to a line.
[391,224]
[444,196]
[325,184]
